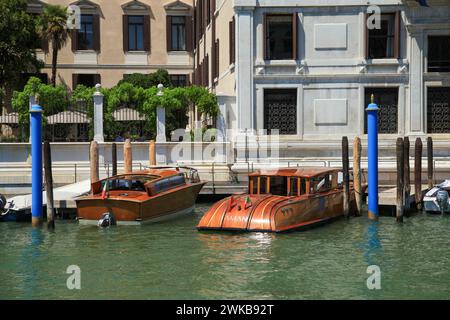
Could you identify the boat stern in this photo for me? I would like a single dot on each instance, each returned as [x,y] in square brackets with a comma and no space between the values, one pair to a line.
[238,213]
[91,209]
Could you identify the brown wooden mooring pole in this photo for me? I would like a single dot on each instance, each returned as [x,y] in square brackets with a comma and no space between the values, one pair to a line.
[114,158]
[406,173]
[418,173]
[345,169]
[94,162]
[127,156]
[357,174]
[152,153]
[49,185]
[400,179]
[430,162]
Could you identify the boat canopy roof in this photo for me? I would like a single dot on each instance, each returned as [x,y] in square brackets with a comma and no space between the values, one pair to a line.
[303,172]
[148,174]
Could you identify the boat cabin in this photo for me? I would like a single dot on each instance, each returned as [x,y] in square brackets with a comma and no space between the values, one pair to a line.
[294,182]
[150,182]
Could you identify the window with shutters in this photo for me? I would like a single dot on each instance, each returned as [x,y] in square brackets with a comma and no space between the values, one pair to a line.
[384,42]
[136,26]
[216,59]
[232,30]
[208,11]
[178,33]
[438,53]
[85,39]
[135,33]
[280,32]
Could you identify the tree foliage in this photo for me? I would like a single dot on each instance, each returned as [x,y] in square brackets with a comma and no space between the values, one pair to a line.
[147,80]
[18,37]
[176,101]
[51,99]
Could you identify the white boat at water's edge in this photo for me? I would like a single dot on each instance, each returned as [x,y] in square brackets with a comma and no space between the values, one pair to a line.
[437,199]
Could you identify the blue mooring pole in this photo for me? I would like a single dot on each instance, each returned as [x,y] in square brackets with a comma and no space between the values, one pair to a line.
[36,164]
[372,151]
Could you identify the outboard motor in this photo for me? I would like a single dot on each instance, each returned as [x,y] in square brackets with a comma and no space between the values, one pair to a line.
[442,200]
[106,220]
[2,203]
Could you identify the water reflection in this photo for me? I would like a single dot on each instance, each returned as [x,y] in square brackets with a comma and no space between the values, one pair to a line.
[237,261]
[29,261]
[373,245]
[173,260]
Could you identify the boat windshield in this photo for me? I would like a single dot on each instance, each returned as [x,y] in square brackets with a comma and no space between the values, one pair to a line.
[130,182]
[321,184]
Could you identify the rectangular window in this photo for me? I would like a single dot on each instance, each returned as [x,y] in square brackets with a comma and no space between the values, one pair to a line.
[88,80]
[384,42]
[280,110]
[178,33]
[24,77]
[215,49]
[438,109]
[278,185]
[85,40]
[387,101]
[135,33]
[293,190]
[439,54]
[280,33]
[39,43]
[262,185]
[178,80]
[232,30]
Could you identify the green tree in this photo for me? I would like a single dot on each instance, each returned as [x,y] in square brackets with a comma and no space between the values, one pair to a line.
[17,39]
[52,99]
[53,28]
[147,80]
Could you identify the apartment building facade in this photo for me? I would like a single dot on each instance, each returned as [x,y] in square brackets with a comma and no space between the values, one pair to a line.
[308,68]
[119,37]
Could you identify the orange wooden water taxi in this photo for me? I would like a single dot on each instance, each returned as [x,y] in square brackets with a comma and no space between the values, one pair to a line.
[149,195]
[281,200]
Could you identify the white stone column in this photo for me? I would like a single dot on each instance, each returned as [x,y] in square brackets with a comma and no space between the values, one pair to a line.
[161,157]
[221,122]
[416,101]
[245,65]
[160,124]
[98,114]
[197,123]
[160,119]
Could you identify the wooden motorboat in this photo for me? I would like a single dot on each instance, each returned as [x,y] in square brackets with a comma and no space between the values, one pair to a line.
[149,195]
[281,200]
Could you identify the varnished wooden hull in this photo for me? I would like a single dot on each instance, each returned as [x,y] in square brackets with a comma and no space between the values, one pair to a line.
[269,213]
[130,211]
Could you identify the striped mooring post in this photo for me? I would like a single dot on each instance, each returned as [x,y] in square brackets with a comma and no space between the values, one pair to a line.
[372,153]
[36,164]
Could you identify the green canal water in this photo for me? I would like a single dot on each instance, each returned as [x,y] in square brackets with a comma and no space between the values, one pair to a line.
[172,260]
